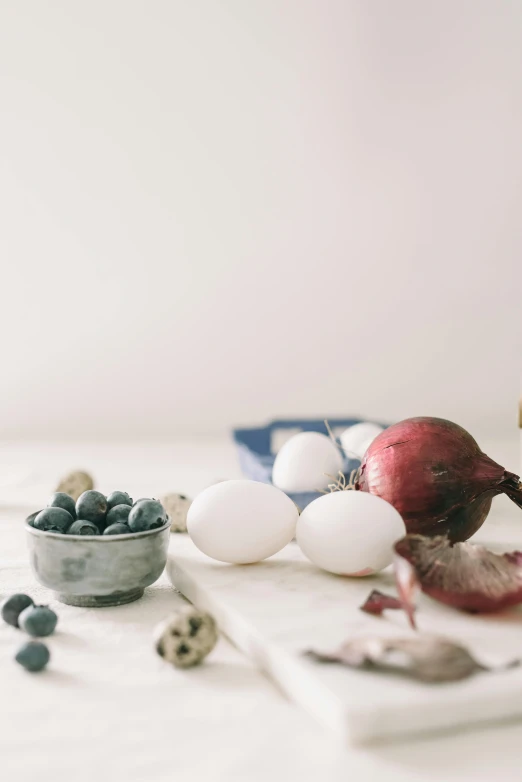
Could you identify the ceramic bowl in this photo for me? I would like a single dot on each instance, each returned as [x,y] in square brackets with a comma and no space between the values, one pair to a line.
[103,570]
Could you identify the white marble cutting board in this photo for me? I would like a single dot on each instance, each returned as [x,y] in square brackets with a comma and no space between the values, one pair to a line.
[275,609]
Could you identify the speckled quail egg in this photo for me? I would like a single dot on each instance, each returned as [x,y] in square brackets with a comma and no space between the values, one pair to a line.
[177,506]
[75,483]
[186,637]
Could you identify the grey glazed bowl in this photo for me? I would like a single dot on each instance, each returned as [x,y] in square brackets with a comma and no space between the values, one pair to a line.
[105,570]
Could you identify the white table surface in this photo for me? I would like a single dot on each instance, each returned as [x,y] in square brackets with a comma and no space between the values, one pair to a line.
[109,708]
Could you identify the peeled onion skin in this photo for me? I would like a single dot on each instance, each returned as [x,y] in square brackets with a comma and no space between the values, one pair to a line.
[434,473]
[378,601]
[427,658]
[462,575]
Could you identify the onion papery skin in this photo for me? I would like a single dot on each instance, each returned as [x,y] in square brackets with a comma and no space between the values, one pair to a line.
[464,575]
[433,472]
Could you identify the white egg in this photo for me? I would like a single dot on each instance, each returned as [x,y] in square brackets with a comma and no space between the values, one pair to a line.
[349,532]
[241,521]
[305,462]
[357,438]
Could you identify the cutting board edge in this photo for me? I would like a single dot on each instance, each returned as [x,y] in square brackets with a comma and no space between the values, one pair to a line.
[296,680]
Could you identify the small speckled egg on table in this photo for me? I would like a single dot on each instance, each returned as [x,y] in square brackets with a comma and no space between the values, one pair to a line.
[75,483]
[186,638]
[177,506]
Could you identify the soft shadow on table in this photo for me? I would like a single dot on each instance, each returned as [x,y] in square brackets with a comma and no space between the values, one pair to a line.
[218,674]
[157,603]
[67,639]
[512,615]
[253,568]
[53,676]
[484,749]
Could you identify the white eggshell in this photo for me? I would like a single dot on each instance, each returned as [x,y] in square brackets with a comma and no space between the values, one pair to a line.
[357,438]
[241,521]
[349,532]
[305,462]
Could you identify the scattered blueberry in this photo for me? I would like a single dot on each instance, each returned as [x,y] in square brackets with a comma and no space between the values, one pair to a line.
[118,528]
[147,514]
[92,505]
[38,621]
[62,500]
[118,498]
[33,656]
[118,514]
[83,527]
[13,606]
[53,520]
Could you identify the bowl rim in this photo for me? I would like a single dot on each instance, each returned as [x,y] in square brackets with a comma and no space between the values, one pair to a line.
[94,538]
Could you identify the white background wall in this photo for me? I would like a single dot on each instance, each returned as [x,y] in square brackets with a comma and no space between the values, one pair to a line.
[217,212]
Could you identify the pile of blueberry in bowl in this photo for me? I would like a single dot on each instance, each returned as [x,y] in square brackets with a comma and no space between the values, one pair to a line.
[95,514]
[98,551]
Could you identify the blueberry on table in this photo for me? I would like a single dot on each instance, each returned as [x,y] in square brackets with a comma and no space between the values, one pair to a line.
[53,520]
[118,528]
[92,505]
[38,621]
[119,514]
[33,656]
[83,527]
[13,606]
[62,500]
[147,514]
[118,498]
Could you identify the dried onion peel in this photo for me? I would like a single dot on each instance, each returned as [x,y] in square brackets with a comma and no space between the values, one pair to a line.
[427,658]
[462,575]
[378,601]
[434,473]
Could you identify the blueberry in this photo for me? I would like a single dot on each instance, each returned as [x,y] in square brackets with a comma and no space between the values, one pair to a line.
[13,606]
[118,514]
[33,656]
[118,498]
[30,519]
[147,514]
[62,500]
[38,621]
[53,520]
[83,527]
[117,529]
[92,505]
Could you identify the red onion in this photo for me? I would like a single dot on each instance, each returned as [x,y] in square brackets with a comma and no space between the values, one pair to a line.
[434,473]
